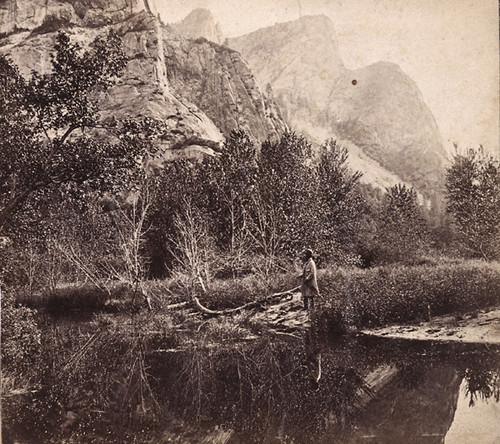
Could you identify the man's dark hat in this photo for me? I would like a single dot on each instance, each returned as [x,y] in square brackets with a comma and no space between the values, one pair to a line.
[308,252]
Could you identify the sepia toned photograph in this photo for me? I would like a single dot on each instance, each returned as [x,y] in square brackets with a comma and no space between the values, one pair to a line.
[250,221]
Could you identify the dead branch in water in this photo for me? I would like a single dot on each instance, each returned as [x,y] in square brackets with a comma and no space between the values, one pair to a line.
[208,311]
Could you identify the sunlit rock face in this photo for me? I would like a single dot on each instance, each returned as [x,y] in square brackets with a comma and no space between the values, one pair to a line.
[298,59]
[199,90]
[29,14]
[378,108]
[382,111]
[219,82]
[199,23]
[217,79]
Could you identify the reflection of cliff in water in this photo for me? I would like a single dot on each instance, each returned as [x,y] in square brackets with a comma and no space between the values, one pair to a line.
[416,406]
[275,387]
[417,403]
[367,391]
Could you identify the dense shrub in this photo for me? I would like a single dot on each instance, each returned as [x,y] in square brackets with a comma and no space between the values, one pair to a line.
[21,351]
[220,293]
[473,198]
[402,232]
[86,297]
[270,201]
[386,295]
[20,338]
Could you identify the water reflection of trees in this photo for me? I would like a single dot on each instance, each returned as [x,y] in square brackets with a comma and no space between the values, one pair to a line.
[481,383]
[265,391]
[260,391]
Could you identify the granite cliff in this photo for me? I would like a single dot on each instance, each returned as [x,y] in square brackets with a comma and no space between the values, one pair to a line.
[219,82]
[23,15]
[378,111]
[181,74]
[191,85]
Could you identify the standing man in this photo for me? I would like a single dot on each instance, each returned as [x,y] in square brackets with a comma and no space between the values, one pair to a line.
[309,287]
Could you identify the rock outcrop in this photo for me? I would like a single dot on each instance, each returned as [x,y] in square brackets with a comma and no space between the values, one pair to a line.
[200,90]
[18,15]
[219,82]
[378,108]
[381,110]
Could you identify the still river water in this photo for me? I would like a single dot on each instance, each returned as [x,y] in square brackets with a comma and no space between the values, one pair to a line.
[305,388]
[341,390]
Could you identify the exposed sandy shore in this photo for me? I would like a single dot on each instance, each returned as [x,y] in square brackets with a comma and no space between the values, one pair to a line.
[482,327]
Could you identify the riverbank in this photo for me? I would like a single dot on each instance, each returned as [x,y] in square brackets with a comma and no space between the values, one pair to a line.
[179,373]
[481,327]
[241,377]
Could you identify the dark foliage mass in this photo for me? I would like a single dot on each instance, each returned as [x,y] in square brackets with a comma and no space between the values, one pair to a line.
[270,200]
[49,124]
[402,230]
[403,294]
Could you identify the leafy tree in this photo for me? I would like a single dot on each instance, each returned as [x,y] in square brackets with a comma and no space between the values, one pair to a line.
[233,176]
[230,181]
[339,205]
[49,126]
[269,203]
[402,231]
[473,195]
[285,202]
[20,338]
[216,190]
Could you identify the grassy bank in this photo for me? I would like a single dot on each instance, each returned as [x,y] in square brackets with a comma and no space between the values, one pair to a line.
[387,295]
[349,296]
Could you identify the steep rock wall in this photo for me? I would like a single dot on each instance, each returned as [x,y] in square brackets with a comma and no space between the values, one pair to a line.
[220,82]
[165,78]
[142,90]
[30,14]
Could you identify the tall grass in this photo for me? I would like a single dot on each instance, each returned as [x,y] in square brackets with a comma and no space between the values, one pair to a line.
[393,294]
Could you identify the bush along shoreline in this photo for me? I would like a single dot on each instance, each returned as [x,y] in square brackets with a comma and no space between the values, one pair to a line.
[404,294]
[350,297]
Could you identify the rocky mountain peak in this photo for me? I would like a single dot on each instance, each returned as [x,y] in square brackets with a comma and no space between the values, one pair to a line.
[300,56]
[199,89]
[199,23]
[378,111]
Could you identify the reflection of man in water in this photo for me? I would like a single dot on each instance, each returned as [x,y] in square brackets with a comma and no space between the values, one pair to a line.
[313,356]
[309,287]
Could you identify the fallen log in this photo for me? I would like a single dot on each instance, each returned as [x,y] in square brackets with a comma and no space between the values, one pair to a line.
[252,304]
[178,305]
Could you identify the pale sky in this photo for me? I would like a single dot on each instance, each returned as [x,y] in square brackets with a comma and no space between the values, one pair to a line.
[448,47]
